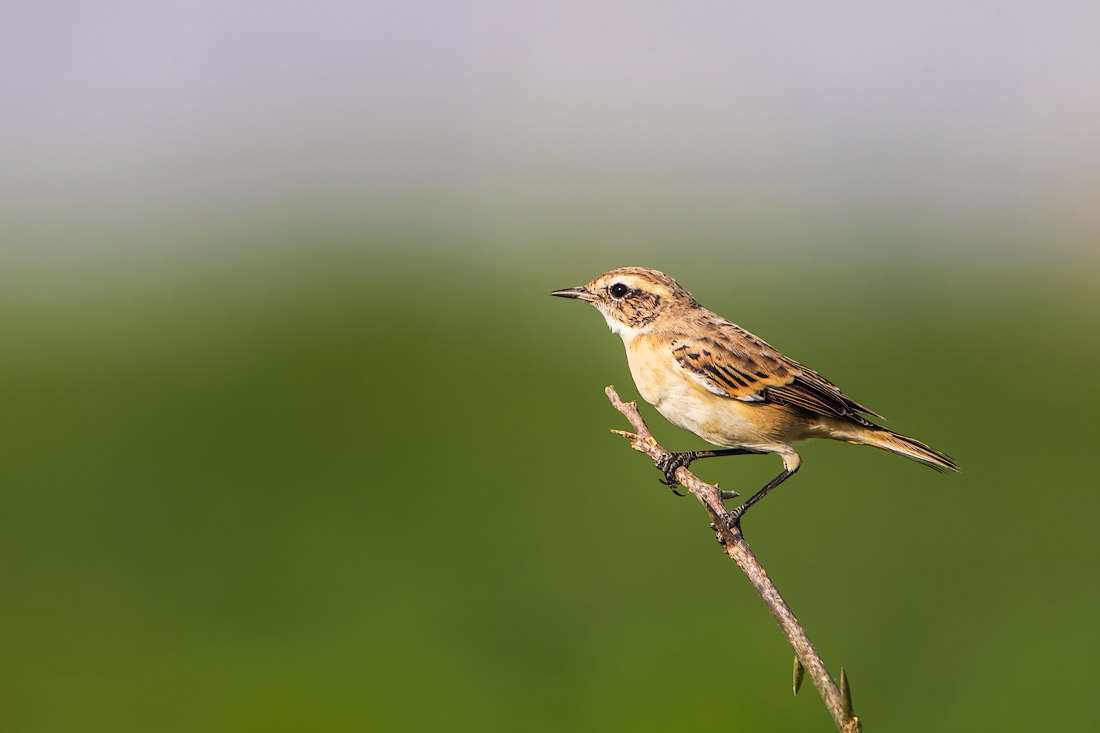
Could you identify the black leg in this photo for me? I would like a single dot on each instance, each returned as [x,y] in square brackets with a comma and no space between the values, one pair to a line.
[735,516]
[673,461]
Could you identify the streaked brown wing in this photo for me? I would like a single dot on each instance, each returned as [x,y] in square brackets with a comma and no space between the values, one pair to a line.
[732,368]
[740,366]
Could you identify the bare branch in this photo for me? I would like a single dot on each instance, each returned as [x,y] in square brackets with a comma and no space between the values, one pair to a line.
[839,704]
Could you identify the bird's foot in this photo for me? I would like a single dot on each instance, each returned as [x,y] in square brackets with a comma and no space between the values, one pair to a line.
[733,519]
[670,463]
[733,525]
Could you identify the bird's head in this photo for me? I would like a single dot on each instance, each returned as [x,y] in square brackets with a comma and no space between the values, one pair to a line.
[634,300]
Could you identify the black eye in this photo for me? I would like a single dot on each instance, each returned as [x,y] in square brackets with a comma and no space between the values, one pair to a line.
[618,291]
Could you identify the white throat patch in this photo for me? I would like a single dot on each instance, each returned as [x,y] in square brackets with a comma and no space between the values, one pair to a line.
[619,327]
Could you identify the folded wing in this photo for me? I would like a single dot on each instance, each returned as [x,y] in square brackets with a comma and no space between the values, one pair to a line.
[740,366]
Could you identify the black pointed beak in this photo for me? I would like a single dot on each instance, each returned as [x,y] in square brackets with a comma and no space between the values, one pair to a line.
[580,293]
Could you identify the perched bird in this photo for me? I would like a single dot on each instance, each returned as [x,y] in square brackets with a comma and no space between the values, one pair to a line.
[714,378]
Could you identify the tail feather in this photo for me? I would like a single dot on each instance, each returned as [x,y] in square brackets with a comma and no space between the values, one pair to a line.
[867,433]
[908,447]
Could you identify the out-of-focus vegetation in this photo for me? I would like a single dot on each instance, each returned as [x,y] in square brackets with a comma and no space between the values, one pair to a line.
[369,485]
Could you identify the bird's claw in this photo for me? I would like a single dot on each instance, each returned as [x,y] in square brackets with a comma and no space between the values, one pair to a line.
[672,487]
[733,519]
[668,465]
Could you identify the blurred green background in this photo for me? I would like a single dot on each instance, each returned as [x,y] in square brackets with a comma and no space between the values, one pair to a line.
[293,437]
[346,488]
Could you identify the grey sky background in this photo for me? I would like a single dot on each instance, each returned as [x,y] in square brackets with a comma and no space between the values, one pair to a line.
[964,120]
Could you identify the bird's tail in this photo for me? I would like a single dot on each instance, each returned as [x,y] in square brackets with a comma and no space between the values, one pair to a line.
[880,437]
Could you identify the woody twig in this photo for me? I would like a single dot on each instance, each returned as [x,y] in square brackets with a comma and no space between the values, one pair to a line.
[837,699]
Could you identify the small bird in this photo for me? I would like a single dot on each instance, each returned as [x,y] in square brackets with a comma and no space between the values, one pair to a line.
[712,377]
